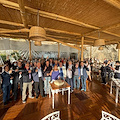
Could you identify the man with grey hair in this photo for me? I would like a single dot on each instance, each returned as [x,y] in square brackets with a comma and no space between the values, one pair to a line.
[27,82]
[70,75]
[83,75]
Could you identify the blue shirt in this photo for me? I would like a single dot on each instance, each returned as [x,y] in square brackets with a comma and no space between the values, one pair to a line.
[6,78]
[55,75]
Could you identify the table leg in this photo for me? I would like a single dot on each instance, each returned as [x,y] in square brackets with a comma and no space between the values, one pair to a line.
[62,91]
[53,99]
[117,91]
[50,93]
[111,87]
[69,95]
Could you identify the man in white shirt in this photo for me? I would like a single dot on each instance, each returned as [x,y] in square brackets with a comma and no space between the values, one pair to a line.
[38,79]
[70,75]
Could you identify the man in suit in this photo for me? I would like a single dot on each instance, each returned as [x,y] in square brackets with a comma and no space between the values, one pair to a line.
[6,86]
[38,79]
[103,73]
[83,75]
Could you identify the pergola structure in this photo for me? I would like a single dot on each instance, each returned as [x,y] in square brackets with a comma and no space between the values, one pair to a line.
[76,22]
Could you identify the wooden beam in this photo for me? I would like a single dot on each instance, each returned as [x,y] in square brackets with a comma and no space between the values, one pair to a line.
[11,23]
[82,48]
[90,52]
[14,31]
[47,29]
[49,38]
[102,30]
[23,13]
[54,16]
[61,31]
[115,3]
[65,39]
[111,42]
[48,15]
[30,55]
[111,33]
[60,18]
[71,42]
[74,39]
[13,36]
[112,26]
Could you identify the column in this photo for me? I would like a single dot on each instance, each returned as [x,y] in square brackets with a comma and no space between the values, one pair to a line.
[30,56]
[78,55]
[119,54]
[82,43]
[58,50]
[90,51]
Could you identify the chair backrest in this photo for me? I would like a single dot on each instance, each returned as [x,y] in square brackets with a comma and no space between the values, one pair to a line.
[52,116]
[107,116]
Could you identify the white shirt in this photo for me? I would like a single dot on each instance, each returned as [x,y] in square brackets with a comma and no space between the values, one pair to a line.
[69,72]
[117,71]
[81,70]
[39,72]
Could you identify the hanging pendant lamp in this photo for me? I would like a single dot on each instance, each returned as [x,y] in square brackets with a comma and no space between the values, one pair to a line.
[100,48]
[37,33]
[37,43]
[99,41]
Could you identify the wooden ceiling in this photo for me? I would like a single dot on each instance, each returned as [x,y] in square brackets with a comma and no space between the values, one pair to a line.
[63,20]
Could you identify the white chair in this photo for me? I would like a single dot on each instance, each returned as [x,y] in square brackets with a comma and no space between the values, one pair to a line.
[52,116]
[107,116]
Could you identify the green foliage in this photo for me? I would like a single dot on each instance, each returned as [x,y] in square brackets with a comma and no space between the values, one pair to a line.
[3,57]
[14,55]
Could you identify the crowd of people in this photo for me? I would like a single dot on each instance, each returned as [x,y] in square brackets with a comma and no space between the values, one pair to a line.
[31,77]
[109,69]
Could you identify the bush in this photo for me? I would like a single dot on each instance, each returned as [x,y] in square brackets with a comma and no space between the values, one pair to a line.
[3,57]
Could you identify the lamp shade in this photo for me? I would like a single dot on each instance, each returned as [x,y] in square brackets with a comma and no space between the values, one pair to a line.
[100,48]
[37,33]
[99,42]
[37,43]
[118,46]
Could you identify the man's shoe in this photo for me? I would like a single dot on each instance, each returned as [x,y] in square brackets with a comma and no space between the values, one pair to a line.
[82,89]
[5,103]
[31,97]
[103,83]
[85,90]
[106,83]
[23,101]
[44,95]
[10,100]
[36,97]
